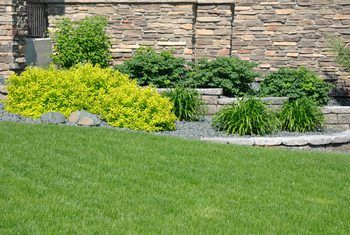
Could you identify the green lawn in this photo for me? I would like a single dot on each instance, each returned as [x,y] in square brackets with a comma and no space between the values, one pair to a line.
[58,179]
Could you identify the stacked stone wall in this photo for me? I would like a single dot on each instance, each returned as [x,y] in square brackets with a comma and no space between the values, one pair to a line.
[292,33]
[273,33]
[6,37]
[12,36]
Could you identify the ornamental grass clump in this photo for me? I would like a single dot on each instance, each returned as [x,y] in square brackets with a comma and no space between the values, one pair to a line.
[188,105]
[301,115]
[108,93]
[247,117]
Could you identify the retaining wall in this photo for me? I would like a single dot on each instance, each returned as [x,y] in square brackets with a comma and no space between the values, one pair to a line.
[337,117]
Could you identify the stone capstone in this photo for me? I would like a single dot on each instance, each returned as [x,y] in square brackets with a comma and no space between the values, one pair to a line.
[83,118]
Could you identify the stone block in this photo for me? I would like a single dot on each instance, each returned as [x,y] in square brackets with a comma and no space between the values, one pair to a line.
[212,109]
[241,141]
[344,118]
[267,141]
[331,118]
[210,99]
[319,140]
[295,141]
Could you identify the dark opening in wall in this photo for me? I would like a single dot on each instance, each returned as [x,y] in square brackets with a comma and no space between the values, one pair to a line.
[37,19]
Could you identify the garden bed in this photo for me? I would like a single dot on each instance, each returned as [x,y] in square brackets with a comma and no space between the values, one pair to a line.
[329,139]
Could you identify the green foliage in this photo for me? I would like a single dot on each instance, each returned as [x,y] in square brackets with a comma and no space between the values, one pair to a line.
[229,73]
[188,104]
[149,67]
[247,117]
[296,83]
[342,52]
[82,41]
[301,115]
[119,100]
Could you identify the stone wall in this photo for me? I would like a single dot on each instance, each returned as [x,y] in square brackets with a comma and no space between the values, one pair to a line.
[6,37]
[274,33]
[193,28]
[337,117]
[12,35]
[292,33]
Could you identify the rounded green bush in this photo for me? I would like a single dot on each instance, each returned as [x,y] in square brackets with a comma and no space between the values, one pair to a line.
[148,67]
[83,41]
[230,73]
[247,117]
[301,115]
[187,102]
[110,94]
[296,83]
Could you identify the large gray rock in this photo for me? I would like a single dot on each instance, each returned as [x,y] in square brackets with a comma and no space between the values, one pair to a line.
[52,118]
[83,118]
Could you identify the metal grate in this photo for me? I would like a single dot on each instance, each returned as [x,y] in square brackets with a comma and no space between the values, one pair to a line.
[37,18]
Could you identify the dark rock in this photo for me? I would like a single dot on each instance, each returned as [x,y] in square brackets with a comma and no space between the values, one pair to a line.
[52,118]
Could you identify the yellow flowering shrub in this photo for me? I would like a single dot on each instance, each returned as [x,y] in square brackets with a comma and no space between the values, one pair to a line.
[108,93]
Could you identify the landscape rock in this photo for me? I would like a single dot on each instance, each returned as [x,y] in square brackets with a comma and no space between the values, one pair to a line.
[52,118]
[3,90]
[83,118]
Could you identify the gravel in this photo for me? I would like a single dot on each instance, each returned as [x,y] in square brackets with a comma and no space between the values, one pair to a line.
[5,116]
[203,128]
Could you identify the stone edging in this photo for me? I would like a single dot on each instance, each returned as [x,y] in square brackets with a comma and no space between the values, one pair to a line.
[288,141]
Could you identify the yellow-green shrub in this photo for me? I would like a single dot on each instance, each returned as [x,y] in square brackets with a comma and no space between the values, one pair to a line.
[111,94]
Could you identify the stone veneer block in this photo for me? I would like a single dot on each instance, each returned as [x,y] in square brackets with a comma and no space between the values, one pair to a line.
[210,99]
[343,118]
[331,118]
[337,127]
[210,91]
[212,109]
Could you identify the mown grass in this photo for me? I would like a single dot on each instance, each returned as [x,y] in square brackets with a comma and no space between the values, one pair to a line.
[58,179]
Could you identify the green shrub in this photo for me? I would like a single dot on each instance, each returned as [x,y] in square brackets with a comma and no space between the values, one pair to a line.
[148,67]
[342,52]
[188,104]
[301,115]
[296,83]
[112,95]
[82,41]
[230,73]
[247,117]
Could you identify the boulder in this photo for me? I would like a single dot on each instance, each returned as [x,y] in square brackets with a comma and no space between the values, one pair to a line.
[3,90]
[52,118]
[83,118]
